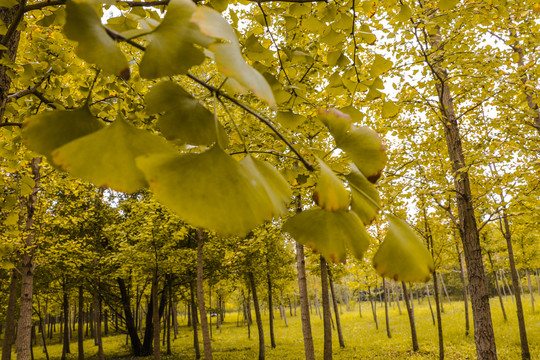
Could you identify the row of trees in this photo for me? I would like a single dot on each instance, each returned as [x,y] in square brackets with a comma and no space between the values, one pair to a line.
[461,127]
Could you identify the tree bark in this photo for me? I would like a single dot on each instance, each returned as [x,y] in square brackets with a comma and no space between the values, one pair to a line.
[27,272]
[483,326]
[65,306]
[271,310]
[336,310]
[194,321]
[327,315]
[386,309]
[80,335]
[464,284]
[309,349]
[9,335]
[155,315]
[136,344]
[373,308]
[410,311]
[525,353]
[258,316]
[497,285]
[529,284]
[200,297]
[97,322]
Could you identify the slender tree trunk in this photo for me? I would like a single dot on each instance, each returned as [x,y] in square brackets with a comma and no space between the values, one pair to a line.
[283,310]
[9,335]
[529,283]
[497,285]
[483,326]
[386,309]
[410,311]
[200,297]
[194,321]
[309,349]
[80,335]
[525,354]
[27,272]
[438,309]
[271,310]
[359,303]
[373,308]
[155,315]
[97,321]
[327,315]
[429,303]
[169,315]
[336,310]
[258,316]
[136,344]
[464,284]
[65,306]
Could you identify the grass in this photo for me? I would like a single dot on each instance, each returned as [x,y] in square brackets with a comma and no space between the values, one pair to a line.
[362,339]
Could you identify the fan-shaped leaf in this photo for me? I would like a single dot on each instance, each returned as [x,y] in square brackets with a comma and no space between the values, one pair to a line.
[365,197]
[336,121]
[107,157]
[402,256]
[330,192]
[83,25]
[171,48]
[329,232]
[209,190]
[184,120]
[49,130]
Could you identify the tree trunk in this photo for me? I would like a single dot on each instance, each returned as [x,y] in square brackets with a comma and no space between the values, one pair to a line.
[258,316]
[529,283]
[483,326]
[65,306]
[97,322]
[497,285]
[136,344]
[27,272]
[438,309]
[373,308]
[464,284]
[155,316]
[271,310]
[9,335]
[525,354]
[169,316]
[80,335]
[386,309]
[429,303]
[327,315]
[200,297]
[309,349]
[410,311]
[194,321]
[336,310]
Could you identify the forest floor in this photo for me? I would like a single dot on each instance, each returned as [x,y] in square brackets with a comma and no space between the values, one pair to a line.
[362,339]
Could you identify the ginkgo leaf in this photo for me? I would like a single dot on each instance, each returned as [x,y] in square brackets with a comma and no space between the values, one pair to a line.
[230,62]
[447,4]
[185,120]
[389,109]
[83,25]
[365,197]
[402,256]
[330,193]
[171,48]
[329,232]
[107,157]
[404,14]
[209,190]
[227,54]
[380,65]
[49,130]
[276,186]
[366,150]
[289,119]
[336,121]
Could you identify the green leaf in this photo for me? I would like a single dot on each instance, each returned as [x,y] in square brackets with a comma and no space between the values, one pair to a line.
[402,256]
[380,65]
[366,150]
[289,119]
[336,121]
[171,48]
[276,186]
[227,54]
[83,25]
[330,193]
[107,157]
[389,109]
[329,232]
[365,197]
[27,185]
[447,4]
[209,190]
[184,120]
[404,14]
[49,130]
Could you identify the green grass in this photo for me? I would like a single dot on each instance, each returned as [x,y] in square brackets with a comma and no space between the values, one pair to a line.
[362,340]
